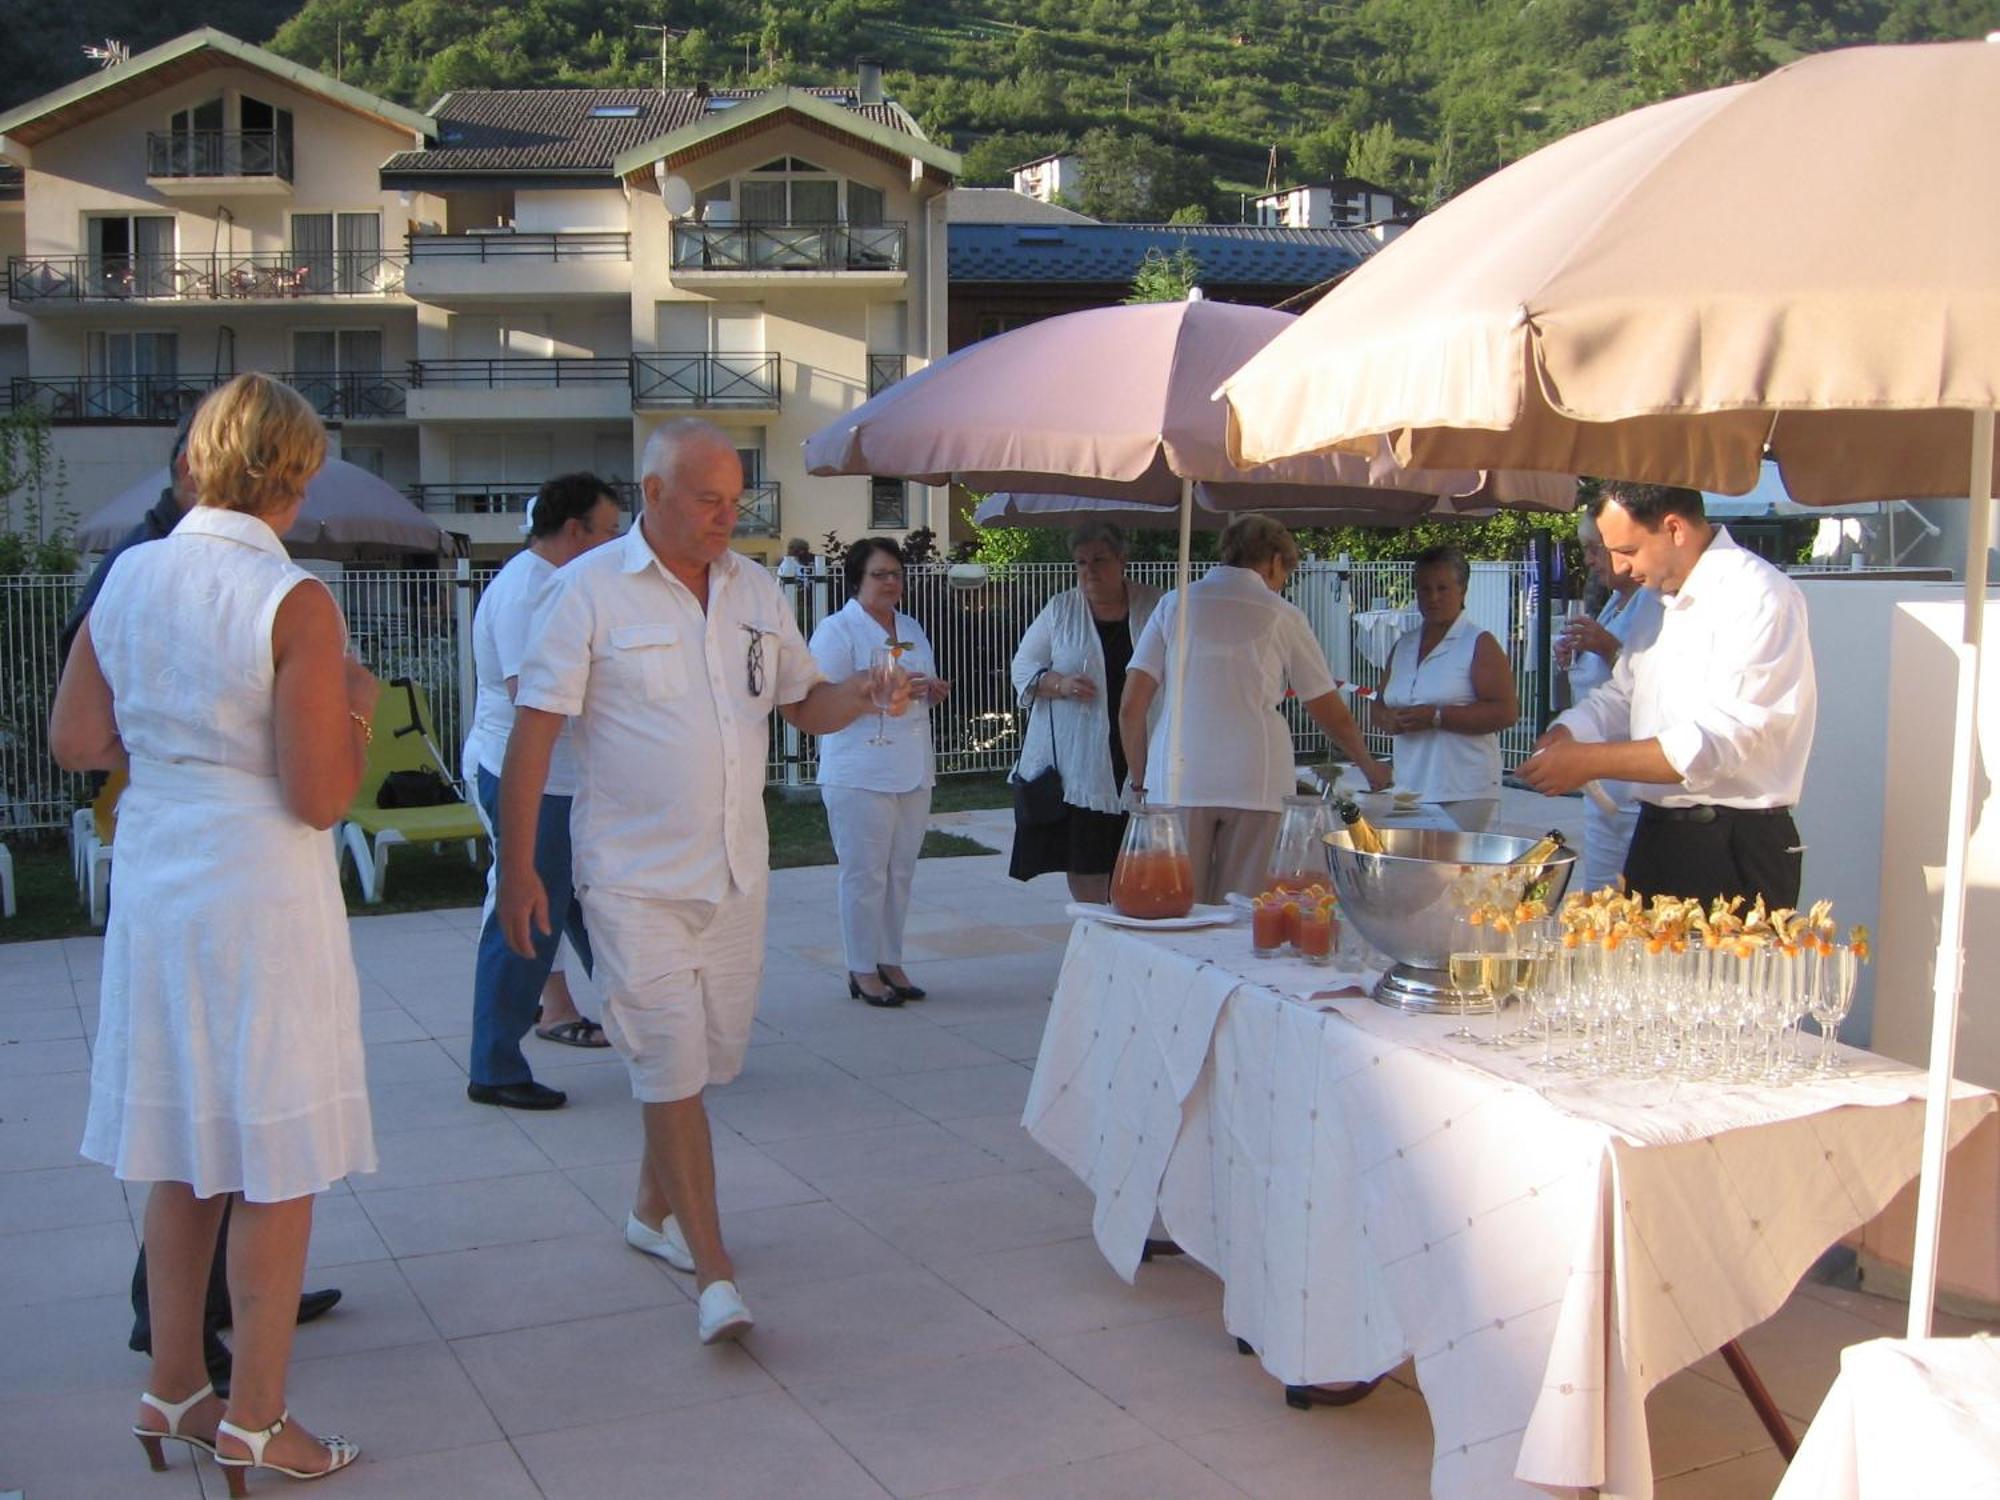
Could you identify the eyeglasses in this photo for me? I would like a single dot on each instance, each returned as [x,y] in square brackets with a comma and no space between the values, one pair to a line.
[754,659]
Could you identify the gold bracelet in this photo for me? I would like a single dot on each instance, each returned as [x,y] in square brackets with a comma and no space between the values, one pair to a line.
[367,728]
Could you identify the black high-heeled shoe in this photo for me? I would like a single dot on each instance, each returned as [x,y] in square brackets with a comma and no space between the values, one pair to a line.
[887,1002]
[900,991]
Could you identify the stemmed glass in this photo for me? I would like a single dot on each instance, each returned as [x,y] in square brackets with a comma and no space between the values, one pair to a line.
[1832,996]
[882,671]
[1472,970]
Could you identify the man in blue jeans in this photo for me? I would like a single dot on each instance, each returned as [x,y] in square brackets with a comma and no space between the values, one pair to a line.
[569,515]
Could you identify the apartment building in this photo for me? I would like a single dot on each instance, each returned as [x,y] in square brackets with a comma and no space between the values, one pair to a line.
[514,284]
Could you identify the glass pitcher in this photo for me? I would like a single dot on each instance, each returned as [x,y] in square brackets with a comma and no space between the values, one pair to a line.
[1298,857]
[1154,877]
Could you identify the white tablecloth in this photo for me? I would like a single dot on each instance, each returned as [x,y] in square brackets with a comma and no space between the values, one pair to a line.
[1906,1420]
[1369,1193]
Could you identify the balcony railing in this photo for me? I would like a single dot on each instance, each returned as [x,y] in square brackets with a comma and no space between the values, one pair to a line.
[218,153]
[662,379]
[757,511]
[884,370]
[496,499]
[111,398]
[789,247]
[508,371]
[575,245]
[276,275]
[356,395]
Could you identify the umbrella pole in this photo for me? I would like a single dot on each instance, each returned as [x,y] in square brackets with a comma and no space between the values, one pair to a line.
[1949,974]
[1179,695]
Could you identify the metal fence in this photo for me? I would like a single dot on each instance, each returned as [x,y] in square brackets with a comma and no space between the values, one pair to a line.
[416,623]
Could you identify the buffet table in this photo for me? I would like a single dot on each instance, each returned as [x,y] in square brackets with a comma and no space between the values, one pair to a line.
[1909,1419]
[1368,1191]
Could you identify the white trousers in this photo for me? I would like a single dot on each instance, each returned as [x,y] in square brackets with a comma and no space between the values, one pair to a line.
[876,836]
[1606,839]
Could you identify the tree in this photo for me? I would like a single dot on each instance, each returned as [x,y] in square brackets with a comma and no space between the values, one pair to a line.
[1134,179]
[1165,278]
[990,162]
[1703,45]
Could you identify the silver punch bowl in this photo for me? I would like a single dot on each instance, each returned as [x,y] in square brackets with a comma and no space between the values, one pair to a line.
[1401,902]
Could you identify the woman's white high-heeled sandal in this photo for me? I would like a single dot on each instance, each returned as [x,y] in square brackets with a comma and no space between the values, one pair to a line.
[173,1411]
[236,1470]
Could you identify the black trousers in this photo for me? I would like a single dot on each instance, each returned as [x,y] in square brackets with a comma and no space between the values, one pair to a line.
[215,1315]
[1734,852]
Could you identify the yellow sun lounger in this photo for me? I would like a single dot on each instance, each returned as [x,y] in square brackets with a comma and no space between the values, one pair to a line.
[402,742]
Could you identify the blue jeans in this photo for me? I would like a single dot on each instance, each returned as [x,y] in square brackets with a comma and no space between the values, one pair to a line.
[506,987]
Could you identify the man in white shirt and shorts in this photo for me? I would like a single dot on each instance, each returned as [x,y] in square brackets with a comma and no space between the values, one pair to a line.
[667,652]
[1710,712]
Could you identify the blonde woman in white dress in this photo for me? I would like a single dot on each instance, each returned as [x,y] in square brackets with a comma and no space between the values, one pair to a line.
[228,1058]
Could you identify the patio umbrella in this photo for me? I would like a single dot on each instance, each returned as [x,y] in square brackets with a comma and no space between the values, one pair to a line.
[1113,402]
[1802,265]
[349,513]
[1008,508]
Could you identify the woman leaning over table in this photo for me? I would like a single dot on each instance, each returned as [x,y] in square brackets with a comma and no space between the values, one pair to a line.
[228,1057]
[1070,673]
[1247,646]
[877,796]
[1447,694]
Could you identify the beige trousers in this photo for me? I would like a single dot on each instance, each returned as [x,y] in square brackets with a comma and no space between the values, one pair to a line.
[1230,848]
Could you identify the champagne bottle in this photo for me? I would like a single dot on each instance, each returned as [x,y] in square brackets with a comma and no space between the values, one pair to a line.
[1359,830]
[1534,865]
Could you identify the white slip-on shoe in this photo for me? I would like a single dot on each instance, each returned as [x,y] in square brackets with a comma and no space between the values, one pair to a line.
[666,1242]
[722,1313]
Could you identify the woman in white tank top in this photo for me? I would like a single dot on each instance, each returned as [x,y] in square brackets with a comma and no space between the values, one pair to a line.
[1447,694]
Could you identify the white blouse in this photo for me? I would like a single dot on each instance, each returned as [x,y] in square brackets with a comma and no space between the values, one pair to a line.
[841,645]
[1064,639]
[1438,764]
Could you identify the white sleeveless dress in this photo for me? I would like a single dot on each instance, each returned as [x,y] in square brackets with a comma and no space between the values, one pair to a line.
[228,1050]
[1437,764]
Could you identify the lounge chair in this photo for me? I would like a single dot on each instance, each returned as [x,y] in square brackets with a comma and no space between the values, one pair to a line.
[403,742]
[93,862]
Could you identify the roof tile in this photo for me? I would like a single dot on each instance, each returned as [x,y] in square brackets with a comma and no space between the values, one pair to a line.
[1228,254]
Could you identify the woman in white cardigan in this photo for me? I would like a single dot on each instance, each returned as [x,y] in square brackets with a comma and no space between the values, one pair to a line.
[1070,673]
[875,776]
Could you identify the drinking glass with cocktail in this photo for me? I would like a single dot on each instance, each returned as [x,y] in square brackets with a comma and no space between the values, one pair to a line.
[882,675]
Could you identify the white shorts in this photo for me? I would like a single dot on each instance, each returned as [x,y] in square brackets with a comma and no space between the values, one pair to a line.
[680,982]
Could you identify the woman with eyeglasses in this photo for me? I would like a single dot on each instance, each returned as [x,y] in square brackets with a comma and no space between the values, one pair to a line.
[875,776]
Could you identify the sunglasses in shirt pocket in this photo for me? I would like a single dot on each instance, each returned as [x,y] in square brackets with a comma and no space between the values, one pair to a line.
[649,660]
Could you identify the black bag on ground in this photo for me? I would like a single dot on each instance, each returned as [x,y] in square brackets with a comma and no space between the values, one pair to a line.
[421,787]
[1039,800]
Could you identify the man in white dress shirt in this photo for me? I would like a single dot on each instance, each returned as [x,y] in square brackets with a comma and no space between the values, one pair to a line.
[668,651]
[1710,714]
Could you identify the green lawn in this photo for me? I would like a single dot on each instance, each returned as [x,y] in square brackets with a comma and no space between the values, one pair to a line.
[420,880]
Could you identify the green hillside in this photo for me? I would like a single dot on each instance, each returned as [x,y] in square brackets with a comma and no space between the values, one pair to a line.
[1423,95]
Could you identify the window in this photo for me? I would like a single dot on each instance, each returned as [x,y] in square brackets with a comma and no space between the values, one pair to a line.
[790,191]
[132,255]
[133,376]
[363,458]
[888,505]
[266,148]
[992,323]
[614,111]
[339,370]
[336,252]
[865,205]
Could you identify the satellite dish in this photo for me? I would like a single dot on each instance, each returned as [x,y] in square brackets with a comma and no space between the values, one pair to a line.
[677,195]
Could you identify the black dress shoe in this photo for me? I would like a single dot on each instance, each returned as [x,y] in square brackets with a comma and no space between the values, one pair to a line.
[529,1095]
[902,991]
[318,1304]
[885,1002]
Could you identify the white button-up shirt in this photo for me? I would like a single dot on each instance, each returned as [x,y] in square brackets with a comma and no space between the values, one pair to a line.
[1245,646]
[843,644]
[1637,613]
[500,629]
[1724,682]
[671,743]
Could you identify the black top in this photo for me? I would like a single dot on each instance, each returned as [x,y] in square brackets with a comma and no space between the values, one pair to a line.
[158,522]
[1115,636]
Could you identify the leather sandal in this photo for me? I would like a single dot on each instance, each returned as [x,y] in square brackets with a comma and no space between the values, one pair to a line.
[150,1438]
[340,1453]
[582,1032]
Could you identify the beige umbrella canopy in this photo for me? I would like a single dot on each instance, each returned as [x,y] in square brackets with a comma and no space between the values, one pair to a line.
[1805,265]
[1808,261]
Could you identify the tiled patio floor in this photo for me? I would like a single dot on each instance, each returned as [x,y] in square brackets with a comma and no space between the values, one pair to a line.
[933,1317]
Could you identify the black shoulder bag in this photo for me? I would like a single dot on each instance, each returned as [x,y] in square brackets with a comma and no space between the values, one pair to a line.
[1040,801]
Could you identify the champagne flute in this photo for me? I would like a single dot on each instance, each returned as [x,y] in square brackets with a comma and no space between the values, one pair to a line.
[882,671]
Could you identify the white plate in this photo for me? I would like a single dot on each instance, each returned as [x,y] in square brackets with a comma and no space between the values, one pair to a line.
[1201,916]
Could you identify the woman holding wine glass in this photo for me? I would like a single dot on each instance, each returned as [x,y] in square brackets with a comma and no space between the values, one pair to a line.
[876,775]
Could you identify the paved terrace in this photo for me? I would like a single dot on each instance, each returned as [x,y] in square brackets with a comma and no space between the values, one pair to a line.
[933,1317]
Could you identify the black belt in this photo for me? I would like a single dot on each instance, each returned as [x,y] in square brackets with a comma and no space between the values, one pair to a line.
[1705,812]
